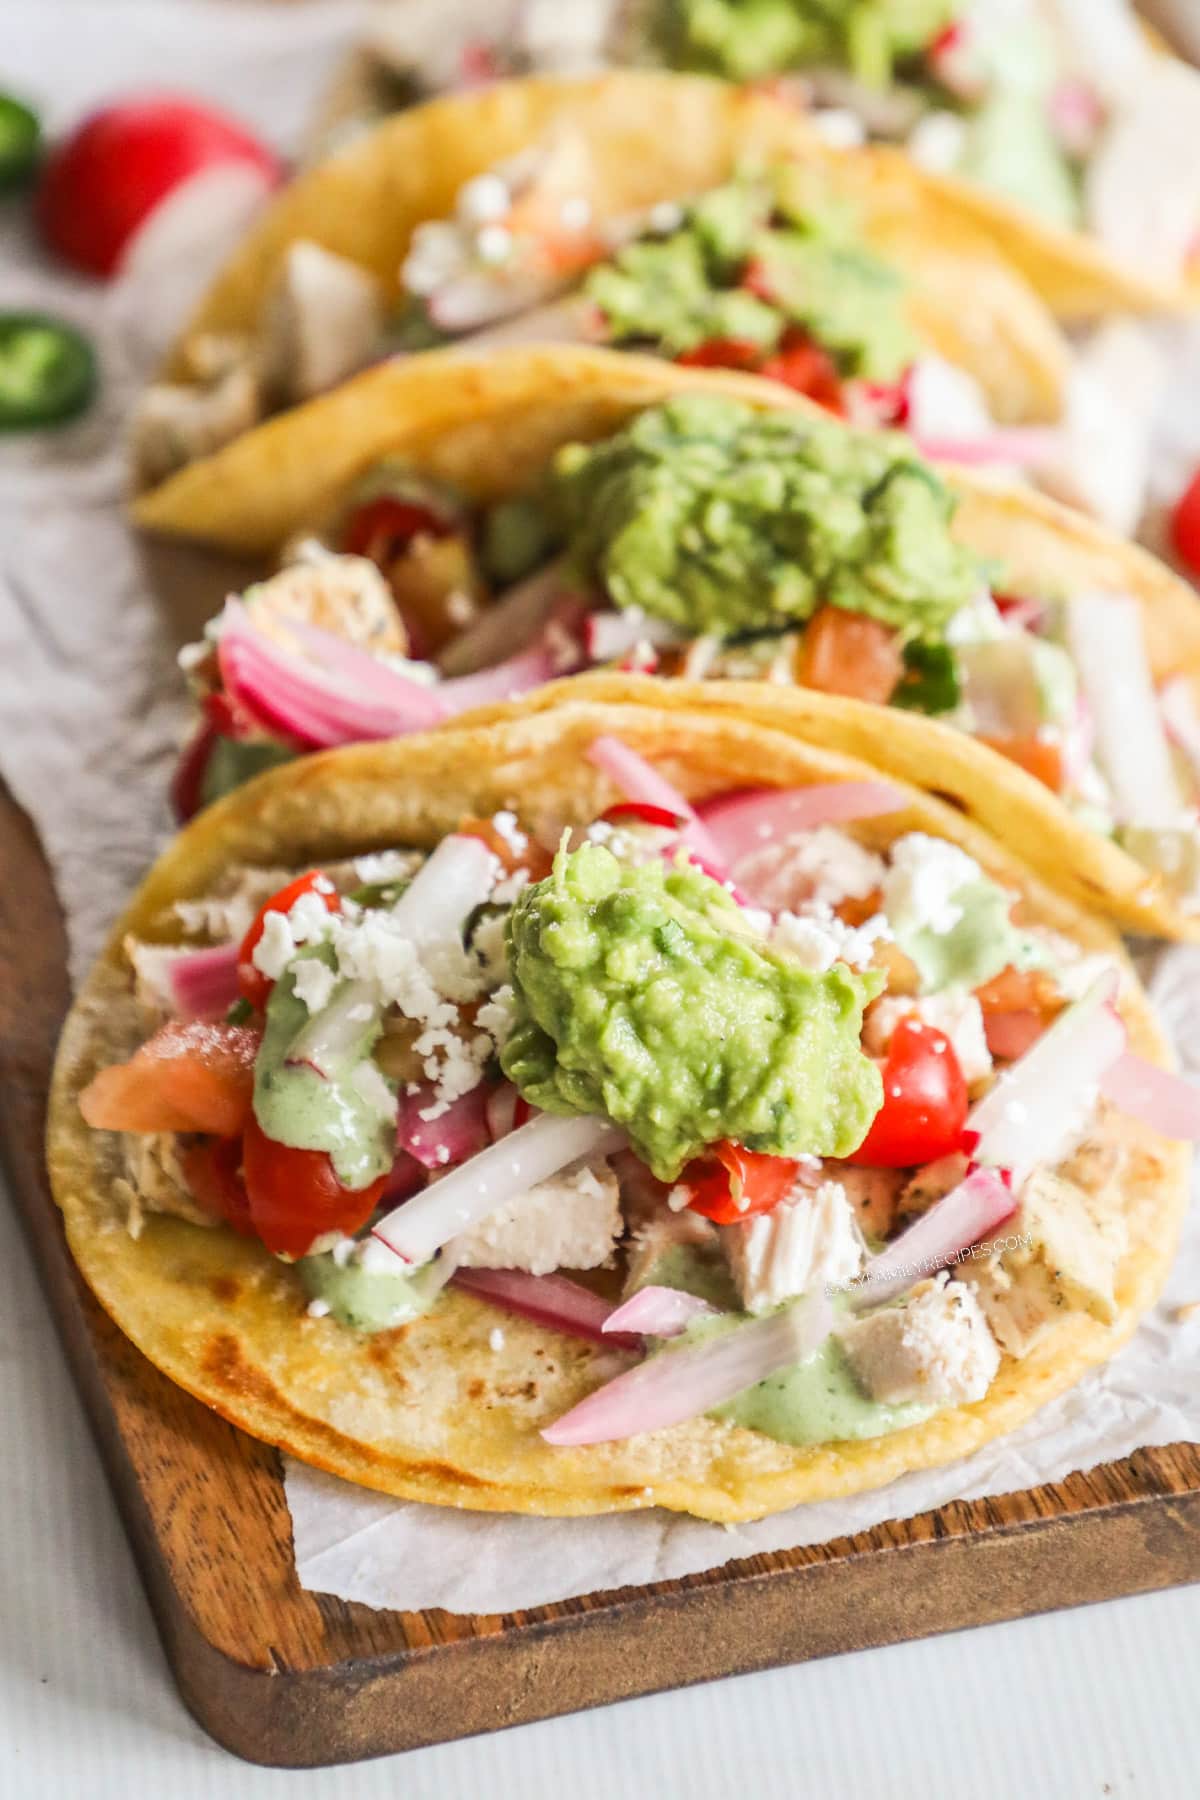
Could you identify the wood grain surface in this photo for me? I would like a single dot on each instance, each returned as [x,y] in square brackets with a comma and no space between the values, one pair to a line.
[283,1676]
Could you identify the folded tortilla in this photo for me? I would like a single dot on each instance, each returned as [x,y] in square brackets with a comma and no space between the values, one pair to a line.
[430,1411]
[655,137]
[489,425]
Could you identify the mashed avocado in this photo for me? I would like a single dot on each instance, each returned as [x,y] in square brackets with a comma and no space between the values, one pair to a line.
[352,1116]
[747,39]
[640,994]
[723,520]
[810,270]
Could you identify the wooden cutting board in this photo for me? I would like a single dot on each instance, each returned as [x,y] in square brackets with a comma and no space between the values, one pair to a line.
[283,1676]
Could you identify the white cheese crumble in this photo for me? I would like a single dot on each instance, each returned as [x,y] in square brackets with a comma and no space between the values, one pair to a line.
[817,938]
[314,982]
[920,886]
[495,1338]
[825,865]
[318,1309]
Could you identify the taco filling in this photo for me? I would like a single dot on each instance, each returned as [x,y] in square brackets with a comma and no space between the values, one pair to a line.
[772,273]
[1060,105]
[702,540]
[818,1123]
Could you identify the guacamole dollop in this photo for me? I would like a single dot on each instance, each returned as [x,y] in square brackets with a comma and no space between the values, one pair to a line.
[640,994]
[747,39]
[808,265]
[723,520]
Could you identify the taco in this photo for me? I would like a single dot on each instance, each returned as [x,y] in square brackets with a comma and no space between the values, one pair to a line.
[617,1109]
[1050,122]
[498,522]
[669,215]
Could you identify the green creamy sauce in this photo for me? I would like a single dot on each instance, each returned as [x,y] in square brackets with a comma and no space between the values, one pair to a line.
[681,290]
[345,1115]
[817,1402]
[366,1299]
[639,995]
[722,520]
[747,39]
[978,946]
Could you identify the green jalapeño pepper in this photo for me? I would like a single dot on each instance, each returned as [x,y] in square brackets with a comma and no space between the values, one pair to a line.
[20,142]
[47,371]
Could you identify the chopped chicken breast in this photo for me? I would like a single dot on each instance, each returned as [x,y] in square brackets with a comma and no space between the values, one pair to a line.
[570,1222]
[155,1182]
[322,321]
[935,1348]
[176,422]
[346,595]
[812,1238]
[1060,1250]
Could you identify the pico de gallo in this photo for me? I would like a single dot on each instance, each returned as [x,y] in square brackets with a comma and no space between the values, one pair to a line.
[812,1104]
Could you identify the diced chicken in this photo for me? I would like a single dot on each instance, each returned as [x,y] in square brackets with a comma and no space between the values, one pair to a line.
[1060,1251]
[659,1236]
[321,321]
[931,1184]
[825,865]
[957,1015]
[873,1195]
[935,1348]
[176,422]
[151,988]
[155,1182]
[346,595]
[1103,460]
[570,1222]
[1142,187]
[809,1240]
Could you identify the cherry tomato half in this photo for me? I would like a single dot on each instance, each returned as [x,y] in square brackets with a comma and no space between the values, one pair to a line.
[253,985]
[1185,525]
[732,1183]
[722,353]
[924,1101]
[214,1174]
[806,368]
[294,1196]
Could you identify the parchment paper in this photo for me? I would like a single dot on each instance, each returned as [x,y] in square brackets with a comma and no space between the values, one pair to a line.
[90,713]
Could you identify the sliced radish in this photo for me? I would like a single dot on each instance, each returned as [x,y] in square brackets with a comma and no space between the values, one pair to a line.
[446,889]
[552,1300]
[453,1136]
[529,669]
[660,1312]
[1034,1112]
[640,781]
[1166,1102]
[744,821]
[334,1036]
[204,983]
[490,1180]
[1108,645]
[955,1222]
[680,1383]
[102,183]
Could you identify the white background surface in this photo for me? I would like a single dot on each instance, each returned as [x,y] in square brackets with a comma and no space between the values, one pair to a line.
[1091,1703]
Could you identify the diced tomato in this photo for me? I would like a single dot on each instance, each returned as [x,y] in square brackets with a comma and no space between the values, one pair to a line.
[1018,1006]
[1185,525]
[1041,760]
[294,1195]
[213,1170]
[732,1183]
[188,779]
[383,527]
[722,353]
[807,368]
[532,856]
[253,985]
[190,1076]
[924,1101]
[847,653]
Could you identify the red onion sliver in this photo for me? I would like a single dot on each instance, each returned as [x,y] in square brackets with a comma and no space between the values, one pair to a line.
[503,681]
[552,1300]
[639,780]
[488,1181]
[681,1383]
[1159,1098]
[1032,1114]
[963,1216]
[456,1134]
[1025,445]
[507,625]
[747,820]
[204,983]
[658,1312]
